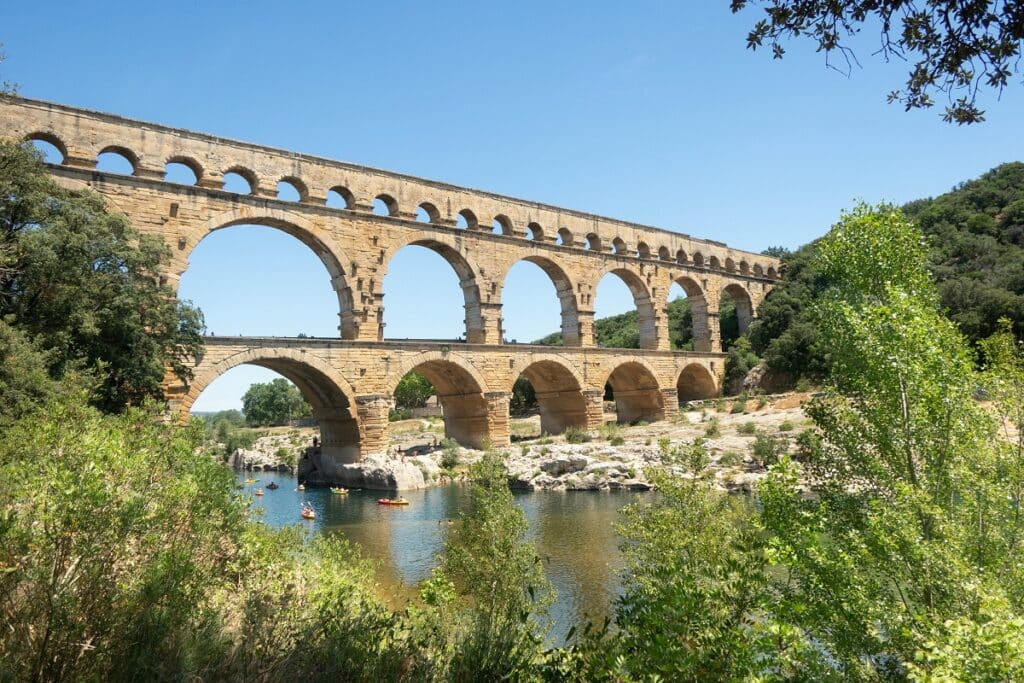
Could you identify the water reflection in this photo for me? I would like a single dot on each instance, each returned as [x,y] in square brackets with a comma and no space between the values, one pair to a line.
[573,530]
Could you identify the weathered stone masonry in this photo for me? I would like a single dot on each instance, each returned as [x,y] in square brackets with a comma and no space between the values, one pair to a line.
[349,380]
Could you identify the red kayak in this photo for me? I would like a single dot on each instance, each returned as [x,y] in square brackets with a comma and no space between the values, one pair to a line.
[392,501]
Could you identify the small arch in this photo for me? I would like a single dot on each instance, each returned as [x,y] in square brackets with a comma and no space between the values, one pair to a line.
[730,265]
[664,254]
[239,180]
[681,256]
[339,197]
[565,237]
[758,270]
[619,246]
[51,147]
[772,272]
[744,267]
[634,388]
[116,159]
[385,205]
[698,258]
[466,220]
[534,232]
[593,242]
[291,189]
[695,383]
[559,395]
[501,225]
[642,250]
[182,171]
[713,262]
[427,213]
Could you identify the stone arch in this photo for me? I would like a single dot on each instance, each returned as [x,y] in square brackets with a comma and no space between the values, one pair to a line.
[641,298]
[246,174]
[772,273]
[466,271]
[331,397]
[534,232]
[664,254]
[681,256]
[713,262]
[189,163]
[730,265]
[642,250]
[559,390]
[296,226]
[345,194]
[636,391]
[744,304]
[758,270]
[298,185]
[566,291]
[744,267]
[698,258]
[696,382]
[566,238]
[431,211]
[503,224]
[389,202]
[592,242]
[461,391]
[128,155]
[50,138]
[619,246]
[698,311]
[470,218]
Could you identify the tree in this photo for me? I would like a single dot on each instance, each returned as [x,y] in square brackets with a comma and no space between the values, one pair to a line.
[87,288]
[413,390]
[961,47]
[274,403]
[910,527]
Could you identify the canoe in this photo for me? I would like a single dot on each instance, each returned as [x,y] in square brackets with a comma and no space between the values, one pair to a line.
[339,491]
[258,492]
[272,486]
[308,514]
[392,501]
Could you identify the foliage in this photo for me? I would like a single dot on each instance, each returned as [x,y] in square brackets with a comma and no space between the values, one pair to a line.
[524,398]
[960,48]
[449,453]
[739,361]
[498,631]
[713,429]
[86,288]
[413,390]
[747,428]
[394,415]
[274,403]
[767,448]
[975,251]
[25,380]
[693,585]
[574,434]
[910,532]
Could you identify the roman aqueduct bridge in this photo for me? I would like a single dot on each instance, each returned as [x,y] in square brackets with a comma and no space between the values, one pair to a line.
[349,379]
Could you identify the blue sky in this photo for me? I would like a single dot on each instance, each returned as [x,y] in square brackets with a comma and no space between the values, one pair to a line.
[653,112]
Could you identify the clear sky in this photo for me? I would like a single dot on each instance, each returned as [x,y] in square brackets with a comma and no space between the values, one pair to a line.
[653,112]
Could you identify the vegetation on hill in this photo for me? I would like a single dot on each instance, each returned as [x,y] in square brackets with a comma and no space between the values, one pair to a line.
[975,239]
[274,403]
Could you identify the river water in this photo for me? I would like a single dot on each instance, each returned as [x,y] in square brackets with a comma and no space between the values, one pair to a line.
[572,529]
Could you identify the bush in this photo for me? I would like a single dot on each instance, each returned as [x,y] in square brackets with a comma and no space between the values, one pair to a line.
[576,435]
[713,429]
[616,440]
[768,448]
[747,428]
[786,426]
[803,384]
[396,414]
[739,406]
[761,402]
[449,454]
[610,430]
[731,459]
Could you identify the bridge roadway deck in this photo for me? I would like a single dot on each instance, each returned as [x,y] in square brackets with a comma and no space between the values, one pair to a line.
[350,383]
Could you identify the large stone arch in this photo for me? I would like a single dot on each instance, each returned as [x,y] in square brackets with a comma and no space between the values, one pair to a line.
[744,303]
[637,392]
[646,318]
[559,390]
[298,227]
[696,382]
[460,388]
[698,310]
[331,397]
[465,269]
[565,290]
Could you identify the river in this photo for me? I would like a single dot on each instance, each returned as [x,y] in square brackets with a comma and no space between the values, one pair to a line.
[572,529]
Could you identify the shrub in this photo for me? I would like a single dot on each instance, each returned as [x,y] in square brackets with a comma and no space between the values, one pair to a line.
[786,426]
[731,459]
[396,414]
[713,429]
[748,428]
[616,440]
[803,384]
[768,448]
[524,450]
[761,402]
[576,435]
[739,406]
[610,430]
[720,405]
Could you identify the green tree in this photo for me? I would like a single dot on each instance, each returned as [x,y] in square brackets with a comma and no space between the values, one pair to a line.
[274,403]
[910,528]
[960,48]
[86,288]
[413,390]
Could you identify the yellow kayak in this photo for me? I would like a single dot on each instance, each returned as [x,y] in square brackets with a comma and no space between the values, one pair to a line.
[339,491]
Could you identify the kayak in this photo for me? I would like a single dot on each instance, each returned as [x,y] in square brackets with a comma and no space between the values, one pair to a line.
[272,485]
[307,513]
[258,492]
[339,491]
[392,501]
